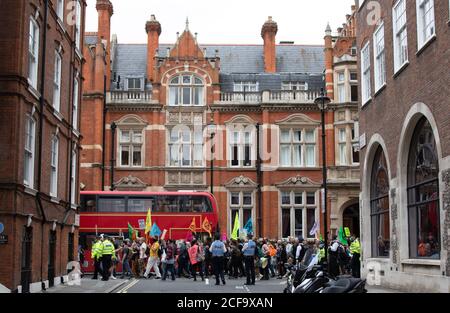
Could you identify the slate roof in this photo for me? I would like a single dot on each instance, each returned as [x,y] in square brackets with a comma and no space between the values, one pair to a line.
[238,63]
[90,39]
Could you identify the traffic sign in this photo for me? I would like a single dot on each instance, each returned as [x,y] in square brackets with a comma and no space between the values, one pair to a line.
[3,239]
[2,228]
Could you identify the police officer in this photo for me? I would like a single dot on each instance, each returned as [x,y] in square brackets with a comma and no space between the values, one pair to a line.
[218,250]
[355,250]
[249,251]
[96,256]
[108,254]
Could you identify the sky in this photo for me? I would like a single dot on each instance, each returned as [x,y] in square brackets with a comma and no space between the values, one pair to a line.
[224,22]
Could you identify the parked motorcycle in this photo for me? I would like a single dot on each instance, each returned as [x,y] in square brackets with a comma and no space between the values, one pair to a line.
[315,279]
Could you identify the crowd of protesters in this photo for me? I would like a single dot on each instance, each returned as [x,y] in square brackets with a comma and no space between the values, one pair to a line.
[261,258]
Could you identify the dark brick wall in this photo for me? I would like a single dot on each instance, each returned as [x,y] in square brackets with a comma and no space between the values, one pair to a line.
[425,79]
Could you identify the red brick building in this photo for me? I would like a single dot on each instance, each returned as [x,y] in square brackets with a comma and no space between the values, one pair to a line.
[404,50]
[160,99]
[40,91]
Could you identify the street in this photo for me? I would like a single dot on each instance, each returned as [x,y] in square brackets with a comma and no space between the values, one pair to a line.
[180,286]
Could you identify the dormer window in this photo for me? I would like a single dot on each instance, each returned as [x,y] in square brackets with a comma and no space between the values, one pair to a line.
[134,84]
[246,87]
[295,86]
[186,90]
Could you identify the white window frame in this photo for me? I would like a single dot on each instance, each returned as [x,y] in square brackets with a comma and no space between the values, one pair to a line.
[57,82]
[60,9]
[379,56]
[194,144]
[131,145]
[76,103]
[33,53]
[78,25]
[240,208]
[241,143]
[342,146]
[366,89]
[134,80]
[246,86]
[294,86]
[29,152]
[54,161]
[73,177]
[293,207]
[425,32]
[355,141]
[341,87]
[303,143]
[400,31]
[195,85]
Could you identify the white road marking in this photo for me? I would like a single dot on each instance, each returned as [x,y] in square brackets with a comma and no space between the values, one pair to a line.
[207,281]
[239,287]
[131,284]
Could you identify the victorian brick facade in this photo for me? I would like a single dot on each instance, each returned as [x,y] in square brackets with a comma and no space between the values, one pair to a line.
[163,97]
[405,159]
[40,87]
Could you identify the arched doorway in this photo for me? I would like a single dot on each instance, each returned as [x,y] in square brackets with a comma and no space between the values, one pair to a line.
[350,219]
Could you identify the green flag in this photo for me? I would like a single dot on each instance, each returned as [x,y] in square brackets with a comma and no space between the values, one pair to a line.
[341,236]
[234,234]
[130,231]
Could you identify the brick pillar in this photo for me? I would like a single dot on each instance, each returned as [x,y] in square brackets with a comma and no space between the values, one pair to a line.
[268,33]
[105,11]
[329,79]
[153,28]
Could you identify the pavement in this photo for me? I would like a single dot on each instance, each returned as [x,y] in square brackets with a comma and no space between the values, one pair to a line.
[88,285]
[180,285]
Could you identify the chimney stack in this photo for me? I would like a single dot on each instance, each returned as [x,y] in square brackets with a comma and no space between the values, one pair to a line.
[105,11]
[153,28]
[329,79]
[268,33]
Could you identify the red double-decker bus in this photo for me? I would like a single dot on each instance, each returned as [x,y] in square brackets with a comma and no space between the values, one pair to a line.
[109,212]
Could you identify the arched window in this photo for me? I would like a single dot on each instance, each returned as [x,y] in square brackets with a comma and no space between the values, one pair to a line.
[379,206]
[423,193]
[187,90]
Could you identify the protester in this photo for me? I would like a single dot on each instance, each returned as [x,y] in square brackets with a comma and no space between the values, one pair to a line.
[142,256]
[169,259]
[125,260]
[153,260]
[196,257]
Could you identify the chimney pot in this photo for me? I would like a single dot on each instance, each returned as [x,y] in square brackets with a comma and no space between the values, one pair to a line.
[268,33]
[153,29]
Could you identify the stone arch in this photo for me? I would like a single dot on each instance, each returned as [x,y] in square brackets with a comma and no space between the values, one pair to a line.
[412,118]
[376,141]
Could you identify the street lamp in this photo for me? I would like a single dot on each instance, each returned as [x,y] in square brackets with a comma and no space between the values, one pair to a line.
[212,133]
[322,103]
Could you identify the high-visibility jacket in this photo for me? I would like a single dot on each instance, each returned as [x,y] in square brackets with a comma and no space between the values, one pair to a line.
[108,249]
[96,250]
[321,254]
[355,247]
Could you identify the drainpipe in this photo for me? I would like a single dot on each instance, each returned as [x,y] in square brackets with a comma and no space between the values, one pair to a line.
[113,136]
[41,121]
[259,177]
[104,132]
